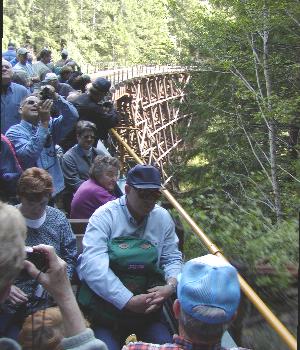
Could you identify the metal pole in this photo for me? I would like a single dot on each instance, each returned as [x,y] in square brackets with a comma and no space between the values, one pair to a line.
[273,321]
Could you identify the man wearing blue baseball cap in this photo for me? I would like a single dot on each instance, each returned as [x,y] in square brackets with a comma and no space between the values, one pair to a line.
[135,217]
[208,294]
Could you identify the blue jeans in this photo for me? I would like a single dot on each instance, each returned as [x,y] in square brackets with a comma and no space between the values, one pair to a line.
[156,332]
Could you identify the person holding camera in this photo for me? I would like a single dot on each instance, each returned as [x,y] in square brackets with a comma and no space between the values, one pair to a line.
[45,225]
[36,136]
[92,107]
[54,280]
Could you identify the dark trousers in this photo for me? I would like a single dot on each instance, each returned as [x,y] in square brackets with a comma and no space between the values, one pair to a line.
[156,332]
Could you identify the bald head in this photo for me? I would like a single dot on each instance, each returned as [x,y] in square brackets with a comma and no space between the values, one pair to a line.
[7,72]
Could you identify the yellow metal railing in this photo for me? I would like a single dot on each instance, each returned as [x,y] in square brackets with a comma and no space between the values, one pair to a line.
[272,320]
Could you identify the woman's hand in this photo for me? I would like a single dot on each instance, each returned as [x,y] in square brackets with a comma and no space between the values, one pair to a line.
[55,279]
[17,296]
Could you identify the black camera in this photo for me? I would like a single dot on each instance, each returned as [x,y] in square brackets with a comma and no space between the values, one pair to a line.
[107,104]
[39,259]
[46,93]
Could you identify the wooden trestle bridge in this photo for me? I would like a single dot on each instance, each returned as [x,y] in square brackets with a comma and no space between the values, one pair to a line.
[150,104]
[150,99]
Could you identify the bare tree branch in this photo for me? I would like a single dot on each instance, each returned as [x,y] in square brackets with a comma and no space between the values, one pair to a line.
[256,63]
[292,17]
[255,154]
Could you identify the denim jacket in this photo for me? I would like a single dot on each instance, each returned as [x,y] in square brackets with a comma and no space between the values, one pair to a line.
[35,145]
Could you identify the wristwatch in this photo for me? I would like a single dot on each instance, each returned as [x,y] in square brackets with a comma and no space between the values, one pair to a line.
[173,285]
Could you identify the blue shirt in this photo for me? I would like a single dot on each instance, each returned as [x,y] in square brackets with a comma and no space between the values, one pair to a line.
[14,61]
[114,220]
[29,142]
[29,71]
[9,55]
[27,68]
[10,104]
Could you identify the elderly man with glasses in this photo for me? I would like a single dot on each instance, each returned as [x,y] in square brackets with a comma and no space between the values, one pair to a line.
[137,216]
[36,136]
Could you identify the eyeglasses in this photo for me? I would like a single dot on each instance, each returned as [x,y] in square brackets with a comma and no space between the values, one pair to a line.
[31,102]
[148,193]
[86,137]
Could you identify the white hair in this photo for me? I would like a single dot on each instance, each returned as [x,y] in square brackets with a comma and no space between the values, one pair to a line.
[4,60]
[12,248]
[199,330]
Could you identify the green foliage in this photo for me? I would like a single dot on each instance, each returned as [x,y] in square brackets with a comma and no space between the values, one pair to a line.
[112,32]
[245,236]
[231,193]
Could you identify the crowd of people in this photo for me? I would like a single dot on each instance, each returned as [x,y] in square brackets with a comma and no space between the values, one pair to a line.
[54,165]
[43,119]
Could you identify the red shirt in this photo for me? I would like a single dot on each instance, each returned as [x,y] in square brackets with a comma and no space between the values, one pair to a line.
[179,343]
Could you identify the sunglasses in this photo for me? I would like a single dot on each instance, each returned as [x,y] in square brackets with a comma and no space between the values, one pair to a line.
[148,193]
[86,137]
[31,102]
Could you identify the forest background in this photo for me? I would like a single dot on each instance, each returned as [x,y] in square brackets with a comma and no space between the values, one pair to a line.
[238,171]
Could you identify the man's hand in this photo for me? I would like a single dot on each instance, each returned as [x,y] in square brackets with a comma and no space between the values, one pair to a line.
[50,92]
[139,303]
[17,296]
[55,279]
[35,79]
[44,109]
[157,296]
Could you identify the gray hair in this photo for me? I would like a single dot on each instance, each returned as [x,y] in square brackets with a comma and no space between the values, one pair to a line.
[10,65]
[12,249]
[101,164]
[199,330]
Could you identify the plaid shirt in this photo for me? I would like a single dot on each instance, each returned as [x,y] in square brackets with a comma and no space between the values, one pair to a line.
[179,343]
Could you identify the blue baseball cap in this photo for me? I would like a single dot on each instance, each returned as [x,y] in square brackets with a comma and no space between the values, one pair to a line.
[209,281]
[144,176]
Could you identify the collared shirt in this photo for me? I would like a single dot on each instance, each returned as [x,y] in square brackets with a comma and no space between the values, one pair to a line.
[29,71]
[9,55]
[76,165]
[27,68]
[179,343]
[29,142]
[41,69]
[114,220]
[10,104]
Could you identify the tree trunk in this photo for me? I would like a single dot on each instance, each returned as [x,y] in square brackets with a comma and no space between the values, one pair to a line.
[271,123]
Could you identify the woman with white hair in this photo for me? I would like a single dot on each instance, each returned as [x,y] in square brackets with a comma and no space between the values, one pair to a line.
[98,189]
